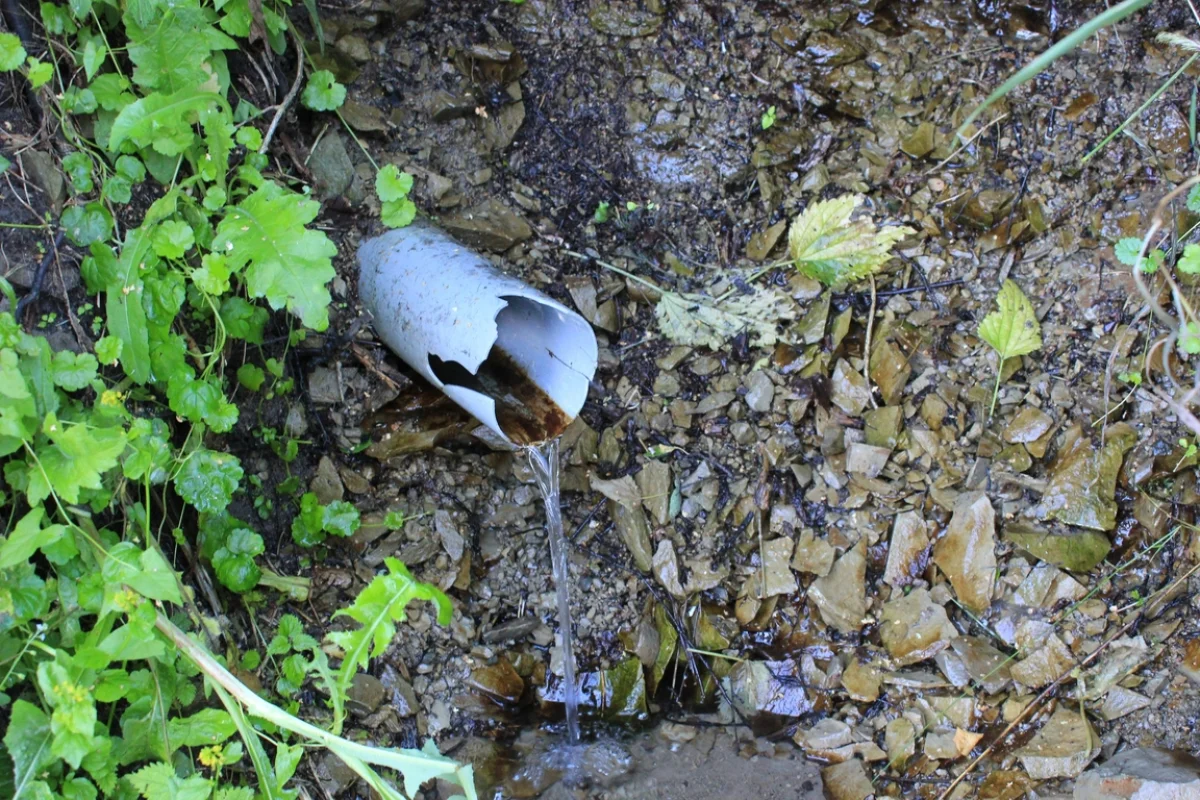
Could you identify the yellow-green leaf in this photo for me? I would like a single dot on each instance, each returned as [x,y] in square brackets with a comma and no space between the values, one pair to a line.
[830,247]
[1013,330]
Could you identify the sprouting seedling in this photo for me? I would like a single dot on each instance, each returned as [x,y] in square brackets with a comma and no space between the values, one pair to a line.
[602,212]
[768,118]
[1012,330]
[1189,451]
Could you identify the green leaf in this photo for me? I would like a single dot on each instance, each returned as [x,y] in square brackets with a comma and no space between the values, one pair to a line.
[398,213]
[112,91]
[40,73]
[94,53]
[323,92]
[602,212]
[12,54]
[78,166]
[173,238]
[208,480]
[73,371]
[56,21]
[86,224]
[251,376]
[1189,262]
[206,727]
[76,459]
[377,608]
[249,137]
[73,722]
[284,261]
[234,562]
[392,184]
[129,167]
[243,320]
[26,537]
[79,101]
[28,741]
[827,246]
[1193,199]
[1013,330]
[1127,250]
[699,321]
[163,121]
[212,277]
[108,349]
[768,118]
[340,518]
[159,782]
[124,312]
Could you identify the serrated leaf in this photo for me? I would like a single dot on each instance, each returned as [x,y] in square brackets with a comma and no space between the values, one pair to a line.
[159,782]
[1127,250]
[1193,199]
[828,246]
[206,727]
[392,184]
[284,261]
[40,73]
[377,608]
[208,480]
[1013,330]
[75,460]
[699,321]
[26,537]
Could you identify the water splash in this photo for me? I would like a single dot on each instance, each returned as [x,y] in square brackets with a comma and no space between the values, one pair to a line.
[544,462]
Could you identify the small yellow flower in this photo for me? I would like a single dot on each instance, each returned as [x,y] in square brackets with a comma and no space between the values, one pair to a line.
[127,600]
[213,756]
[110,398]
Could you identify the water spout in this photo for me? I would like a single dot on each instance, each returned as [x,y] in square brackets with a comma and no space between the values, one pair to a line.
[544,462]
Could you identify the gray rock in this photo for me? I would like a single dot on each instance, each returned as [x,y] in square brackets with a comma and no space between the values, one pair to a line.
[45,174]
[331,167]
[365,694]
[1063,747]
[841,596]
[404,10]
[1146,773]
[759,391]
[327,484]
[356,47]
[444,106]
[491,226]
[452,540]
[666,85]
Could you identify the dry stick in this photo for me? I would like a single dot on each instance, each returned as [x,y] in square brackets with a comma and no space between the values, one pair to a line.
[291,95]
[1037,701]
[867,351]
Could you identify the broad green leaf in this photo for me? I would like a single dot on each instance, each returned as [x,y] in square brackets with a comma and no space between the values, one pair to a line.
[162,121]
[26,537]
[124,311]
[377,608]
[251,376]
[108,349]
[1193,199]
[40,73]
[208,480]
[392,184]
[206,727]
[28,741]
[73,722]
[323,92]
[159,782]
[175,50]
[1189,262]
[78,166]
[112,91]
[1013,330]
[828,246]
[398,213]
[212,276]
[75,460]
[73,371]
[86,225]
[284,262]
[94,53]
[173,238]
[699,321]
[12,54]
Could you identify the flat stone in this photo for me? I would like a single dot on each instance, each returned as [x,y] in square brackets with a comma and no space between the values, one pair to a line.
[813,555]
[759,391]
[914,628]
[900,741]
[841,595]
[1028,425]
[1045,663]
[1189,665]
[327,483]
[499,682]
[452,540]
[890,371]
[665,567]
[45,174]
[776,576]
[1063,747]
[908,550]
[490,225]
[331,167]
[665,85]
[865,459]
[921,142]
[654,483]
[1082,483]
[356,47]
[365,694]
[847,781]
[986,665]
[762,242]
[364,118]
[967,551]
[1144,773]
[861,681]
[849,391]
[444,106]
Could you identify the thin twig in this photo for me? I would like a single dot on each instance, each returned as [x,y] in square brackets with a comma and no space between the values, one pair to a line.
[291,95]
[867,346]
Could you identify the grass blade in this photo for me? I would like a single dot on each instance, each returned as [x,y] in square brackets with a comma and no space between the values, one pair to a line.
[1157,94]
[1061,48]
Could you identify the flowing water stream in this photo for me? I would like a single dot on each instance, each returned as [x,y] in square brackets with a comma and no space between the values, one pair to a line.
[544,462]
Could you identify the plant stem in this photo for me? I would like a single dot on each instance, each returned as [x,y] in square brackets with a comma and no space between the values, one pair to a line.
[996,389]
[1140,109]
